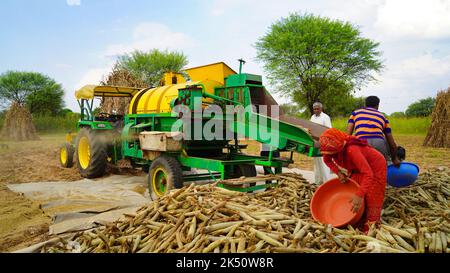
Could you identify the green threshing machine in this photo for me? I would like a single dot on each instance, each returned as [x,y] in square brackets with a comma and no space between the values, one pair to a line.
[168,143]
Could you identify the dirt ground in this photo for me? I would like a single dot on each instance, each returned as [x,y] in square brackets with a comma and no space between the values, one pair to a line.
[23,223]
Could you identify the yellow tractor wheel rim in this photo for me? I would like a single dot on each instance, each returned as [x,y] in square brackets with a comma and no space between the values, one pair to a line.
[84,152]
[63,154]
[159,181]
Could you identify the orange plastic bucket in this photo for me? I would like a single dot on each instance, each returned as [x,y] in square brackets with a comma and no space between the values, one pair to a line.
[331,203]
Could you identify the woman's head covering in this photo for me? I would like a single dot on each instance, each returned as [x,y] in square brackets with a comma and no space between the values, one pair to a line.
[333,141]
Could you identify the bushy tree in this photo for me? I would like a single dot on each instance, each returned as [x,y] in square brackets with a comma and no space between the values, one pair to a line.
[38,92]
[421,108]
[150,66]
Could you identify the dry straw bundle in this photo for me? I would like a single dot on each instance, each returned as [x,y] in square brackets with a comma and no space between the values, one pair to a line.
[439,132]
[18,125]
[119,77]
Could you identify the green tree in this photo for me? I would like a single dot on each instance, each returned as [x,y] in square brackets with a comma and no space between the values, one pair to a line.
[397,115]
[150,66]
[309,57]
[421,108]
[342,106]
[65,112]
[290,109]
[38,92]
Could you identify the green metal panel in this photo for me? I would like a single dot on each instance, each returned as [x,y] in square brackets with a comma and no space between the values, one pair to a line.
[221,166]
[96,125]
[242,79]
[201,163]
[127,142]
[165,124]
[254,78]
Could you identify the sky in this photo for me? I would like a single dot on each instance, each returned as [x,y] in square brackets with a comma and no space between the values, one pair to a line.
[76,42]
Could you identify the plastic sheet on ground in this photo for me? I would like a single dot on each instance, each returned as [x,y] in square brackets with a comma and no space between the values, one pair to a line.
[82,204]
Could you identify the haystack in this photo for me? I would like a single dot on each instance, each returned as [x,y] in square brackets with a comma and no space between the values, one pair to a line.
[439,132]
[18,125]
[119,77]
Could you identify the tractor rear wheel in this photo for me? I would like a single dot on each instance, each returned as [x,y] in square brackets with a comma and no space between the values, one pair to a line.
[66,155]
[91,153]
[164,175]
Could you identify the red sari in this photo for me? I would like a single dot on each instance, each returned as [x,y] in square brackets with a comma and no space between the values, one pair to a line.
[367,166]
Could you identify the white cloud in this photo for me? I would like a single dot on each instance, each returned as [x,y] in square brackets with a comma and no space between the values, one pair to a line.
[409,80]
[94,76]
[150,35]
[422,67]
[73,2]
[416,19]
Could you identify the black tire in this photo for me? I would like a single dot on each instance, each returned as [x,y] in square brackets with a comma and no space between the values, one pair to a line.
[172,171]
[67,161]
[98,154]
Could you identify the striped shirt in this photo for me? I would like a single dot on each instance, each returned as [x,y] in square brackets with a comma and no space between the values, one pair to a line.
[369,123]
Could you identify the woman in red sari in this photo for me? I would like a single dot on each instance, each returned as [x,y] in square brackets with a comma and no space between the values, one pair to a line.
[345,155]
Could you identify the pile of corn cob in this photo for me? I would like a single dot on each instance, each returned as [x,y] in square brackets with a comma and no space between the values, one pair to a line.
[207,218]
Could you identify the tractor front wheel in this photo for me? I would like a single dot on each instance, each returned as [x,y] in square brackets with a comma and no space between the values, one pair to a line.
[164,175]
[66,155]
[91,153]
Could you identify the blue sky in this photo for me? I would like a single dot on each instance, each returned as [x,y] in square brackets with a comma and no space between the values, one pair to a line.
[77,41]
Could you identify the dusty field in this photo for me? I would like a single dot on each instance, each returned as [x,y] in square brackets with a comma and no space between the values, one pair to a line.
[23,223]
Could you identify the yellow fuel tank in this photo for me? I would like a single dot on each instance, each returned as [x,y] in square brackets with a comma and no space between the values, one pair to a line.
[157,100]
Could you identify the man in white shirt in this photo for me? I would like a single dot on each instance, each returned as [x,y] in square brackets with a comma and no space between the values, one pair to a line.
[321,171]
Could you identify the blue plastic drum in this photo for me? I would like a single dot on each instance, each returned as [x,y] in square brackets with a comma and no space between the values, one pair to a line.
[402,176]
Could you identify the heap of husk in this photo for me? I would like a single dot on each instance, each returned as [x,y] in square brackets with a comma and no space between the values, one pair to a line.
[119,77]
[207,218]
[439,132]
[18,125]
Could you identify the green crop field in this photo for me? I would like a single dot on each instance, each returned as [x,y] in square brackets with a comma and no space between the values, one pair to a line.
[51,124]
[402,126]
